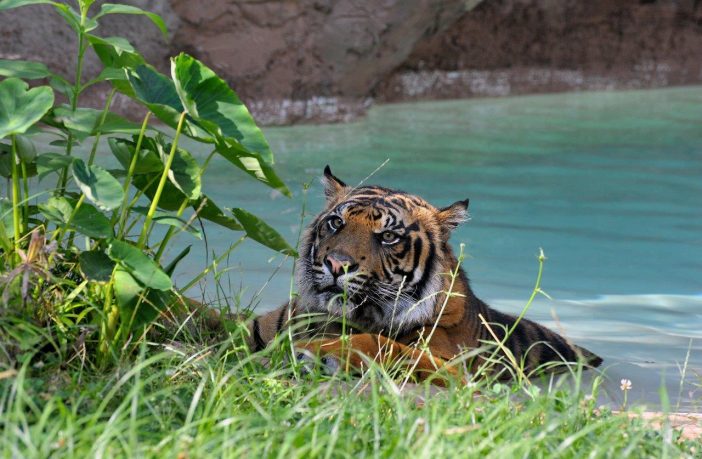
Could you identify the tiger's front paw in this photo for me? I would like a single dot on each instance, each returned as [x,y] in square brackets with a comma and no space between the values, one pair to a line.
[310,363]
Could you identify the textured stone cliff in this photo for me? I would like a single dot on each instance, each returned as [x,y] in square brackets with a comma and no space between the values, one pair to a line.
[327,60]
[508,47]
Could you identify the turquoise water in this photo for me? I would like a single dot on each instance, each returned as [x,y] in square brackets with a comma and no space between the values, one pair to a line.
[608,184]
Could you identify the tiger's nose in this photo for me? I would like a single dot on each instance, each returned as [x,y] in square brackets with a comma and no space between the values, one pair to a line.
[339,263]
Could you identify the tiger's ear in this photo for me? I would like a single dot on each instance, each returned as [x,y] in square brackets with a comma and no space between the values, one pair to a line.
[452,216]
[333,187]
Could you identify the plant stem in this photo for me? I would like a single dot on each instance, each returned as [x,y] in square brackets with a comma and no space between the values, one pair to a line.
[182,208]
[25,186]
[161,184]
[109,322]
[534,292]
[58,234]
[63,179]
[105,111]
[15,194]
[77,85]
[130,174]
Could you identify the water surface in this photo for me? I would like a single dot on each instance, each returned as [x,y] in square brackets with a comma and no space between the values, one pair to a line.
[608,184]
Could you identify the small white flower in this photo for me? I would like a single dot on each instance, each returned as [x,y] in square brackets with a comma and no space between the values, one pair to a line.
[625,385]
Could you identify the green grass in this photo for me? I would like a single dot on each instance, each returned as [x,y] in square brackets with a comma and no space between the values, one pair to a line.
[185,400]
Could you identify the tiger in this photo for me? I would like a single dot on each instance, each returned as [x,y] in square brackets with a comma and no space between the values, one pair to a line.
[376,265]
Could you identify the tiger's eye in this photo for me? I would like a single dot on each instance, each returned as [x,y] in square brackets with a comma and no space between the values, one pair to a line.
[335,223]
[388,237]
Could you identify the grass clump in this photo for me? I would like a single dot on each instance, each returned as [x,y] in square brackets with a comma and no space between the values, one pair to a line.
[185,400]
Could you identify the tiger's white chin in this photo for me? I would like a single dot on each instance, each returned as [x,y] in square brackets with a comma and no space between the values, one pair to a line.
[393,317]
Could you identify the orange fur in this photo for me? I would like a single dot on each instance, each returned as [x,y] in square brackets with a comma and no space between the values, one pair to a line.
[380,259]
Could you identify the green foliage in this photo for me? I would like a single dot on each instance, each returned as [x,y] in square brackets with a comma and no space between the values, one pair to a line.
[96,265]
[85,219]
[219,401]
[141,267]
[21,107]
[260,231]
[97,185]
[209,101]
[74,243]
[27,70]
[111,8]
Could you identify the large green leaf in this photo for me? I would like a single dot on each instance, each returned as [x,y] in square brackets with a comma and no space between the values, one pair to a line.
[69,14]
[209,100]
[91,222]
[96,265]
[85,122]
[9,4]
[110,73]
[143,268]
[115,52]
[79,122]
[21,107]
[261,232]
[208,210]
[6,219]
[252,164]
[115,124]
[148,161]
[157,92]
[127,291]
[50,162]
[98,185]
[111,8]
[28,70]
[118,77]
[139,306]
[87,219]
[57,210]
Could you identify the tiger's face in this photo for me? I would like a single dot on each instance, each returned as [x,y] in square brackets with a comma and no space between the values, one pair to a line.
[376,256]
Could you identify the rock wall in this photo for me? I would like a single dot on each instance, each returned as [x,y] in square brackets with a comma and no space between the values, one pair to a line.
[506,47]
[38,33]
[328,60]
[308,60]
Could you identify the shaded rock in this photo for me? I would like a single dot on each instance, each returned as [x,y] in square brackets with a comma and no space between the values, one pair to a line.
[38,33]
[308,61]
[506,47]
[327,60]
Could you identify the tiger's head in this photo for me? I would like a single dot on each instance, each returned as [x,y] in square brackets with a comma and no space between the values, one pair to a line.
[377,256]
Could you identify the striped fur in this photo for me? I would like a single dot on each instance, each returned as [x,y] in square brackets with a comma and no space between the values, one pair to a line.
[394,255]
